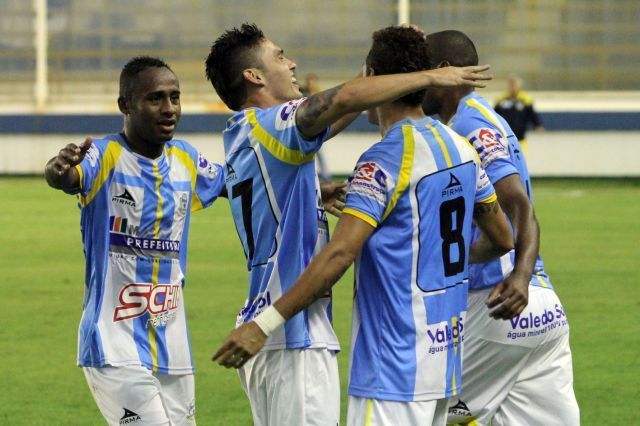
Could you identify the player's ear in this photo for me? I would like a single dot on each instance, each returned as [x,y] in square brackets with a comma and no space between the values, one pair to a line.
[254,76]
[123,105]
[443,64]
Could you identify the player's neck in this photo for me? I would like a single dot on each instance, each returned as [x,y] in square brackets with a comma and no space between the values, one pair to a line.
[390,114]
[136,144]
[262,99]
[450,103]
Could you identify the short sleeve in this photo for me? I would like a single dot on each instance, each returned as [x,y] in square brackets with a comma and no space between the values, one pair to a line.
[485,193]
[281,136]
[209,182]
[370,189]
[88,170]
[493,150]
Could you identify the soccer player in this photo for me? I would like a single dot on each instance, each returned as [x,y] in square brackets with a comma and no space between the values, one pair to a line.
[407,220]
[136,190]
[518,371]
[273,191]
[516,107]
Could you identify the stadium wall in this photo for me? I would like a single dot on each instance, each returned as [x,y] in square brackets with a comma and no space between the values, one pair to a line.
[575,144]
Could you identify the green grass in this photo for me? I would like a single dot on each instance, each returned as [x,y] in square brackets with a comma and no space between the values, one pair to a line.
[590,237]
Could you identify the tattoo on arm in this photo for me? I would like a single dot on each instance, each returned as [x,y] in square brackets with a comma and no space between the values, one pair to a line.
[314,106]
[480,209]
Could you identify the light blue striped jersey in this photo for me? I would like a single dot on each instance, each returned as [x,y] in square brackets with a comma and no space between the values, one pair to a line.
[418,187]
[135,221]
[501,156]
[275,200]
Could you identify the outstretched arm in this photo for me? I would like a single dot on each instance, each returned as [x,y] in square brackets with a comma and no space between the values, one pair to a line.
[510,297]
[321,110]
[323,272]
[496,238]
[60,171]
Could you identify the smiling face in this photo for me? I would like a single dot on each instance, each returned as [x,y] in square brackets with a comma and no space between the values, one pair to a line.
[153,109]
[279,73]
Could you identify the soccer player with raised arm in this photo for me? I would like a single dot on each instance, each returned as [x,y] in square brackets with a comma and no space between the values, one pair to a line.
[517,360]
[407,220]
[273,190]
[137,189]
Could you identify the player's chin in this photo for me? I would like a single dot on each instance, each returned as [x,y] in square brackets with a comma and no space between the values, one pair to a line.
[297,94]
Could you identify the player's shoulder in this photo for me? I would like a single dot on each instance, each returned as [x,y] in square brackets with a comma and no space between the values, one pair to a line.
[525,98]
[474,113]
[279,117]
[181,145]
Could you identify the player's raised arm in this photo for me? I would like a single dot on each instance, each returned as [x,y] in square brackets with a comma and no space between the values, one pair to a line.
[60,171]
[496,238]
[321,110]
[322,273]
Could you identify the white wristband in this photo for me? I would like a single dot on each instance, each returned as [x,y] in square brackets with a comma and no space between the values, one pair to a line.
[269,320]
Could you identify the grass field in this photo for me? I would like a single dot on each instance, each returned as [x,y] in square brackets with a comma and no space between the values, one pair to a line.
[590,238]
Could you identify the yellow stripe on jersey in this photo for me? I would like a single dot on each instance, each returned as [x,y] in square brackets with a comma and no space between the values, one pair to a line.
[80,174]
[540,280]
[367,419]
[490,199]
[156,266]
[443,146]
[190,165]
[108,162]
[274,146]
[363,216]
[454,324]
[405,168]
[488,115]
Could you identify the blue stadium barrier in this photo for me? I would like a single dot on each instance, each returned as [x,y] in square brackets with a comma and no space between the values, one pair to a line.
[206,123]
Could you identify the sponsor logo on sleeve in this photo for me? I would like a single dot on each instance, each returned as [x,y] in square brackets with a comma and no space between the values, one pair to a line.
[206,168]
[285,116]
[489,144]
[371,181]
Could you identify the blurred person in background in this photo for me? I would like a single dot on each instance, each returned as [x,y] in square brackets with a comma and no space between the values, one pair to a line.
[517,366]
[136,190]
[516,107]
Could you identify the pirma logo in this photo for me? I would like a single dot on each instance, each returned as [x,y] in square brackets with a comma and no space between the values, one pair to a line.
[460,410]
[129,417]
[125,199]
[453,187]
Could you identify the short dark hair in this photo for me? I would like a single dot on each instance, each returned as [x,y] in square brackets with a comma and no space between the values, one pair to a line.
[232,53]
[452,46]
[134,67]
[399,50]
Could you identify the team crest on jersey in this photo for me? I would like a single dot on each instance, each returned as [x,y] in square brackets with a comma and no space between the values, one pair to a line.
[372,181]
[285,117]
[161,300]
[489,144]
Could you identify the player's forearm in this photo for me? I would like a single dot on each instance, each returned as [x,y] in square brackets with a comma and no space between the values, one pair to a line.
[527,236]
[68,180]
[496,238]
[325,108]
[316,281]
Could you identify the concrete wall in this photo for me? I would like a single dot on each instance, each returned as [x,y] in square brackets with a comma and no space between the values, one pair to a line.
[585,154]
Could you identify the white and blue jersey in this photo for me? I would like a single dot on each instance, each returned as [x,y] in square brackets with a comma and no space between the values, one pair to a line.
[135,221]
[417,187]
[275,200]
[501,156]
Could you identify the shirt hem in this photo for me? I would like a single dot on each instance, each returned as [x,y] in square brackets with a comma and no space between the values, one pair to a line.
[176,371]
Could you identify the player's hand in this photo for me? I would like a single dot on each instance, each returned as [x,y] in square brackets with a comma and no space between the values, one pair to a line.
[510,297]
[460,76]
[243,343]
[333,196]
[70,156]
